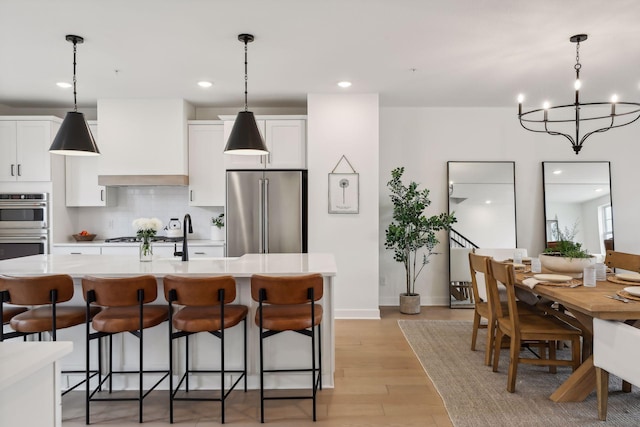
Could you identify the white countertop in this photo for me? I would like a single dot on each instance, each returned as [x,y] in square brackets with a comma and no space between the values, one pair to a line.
[124,265]
[19,359]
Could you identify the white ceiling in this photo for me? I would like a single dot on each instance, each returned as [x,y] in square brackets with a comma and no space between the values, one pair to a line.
[464,52]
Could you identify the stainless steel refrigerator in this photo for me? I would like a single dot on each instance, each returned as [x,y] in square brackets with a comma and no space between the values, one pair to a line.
[266,211]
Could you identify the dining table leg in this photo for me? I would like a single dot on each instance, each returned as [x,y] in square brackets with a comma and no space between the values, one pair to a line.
[579,385]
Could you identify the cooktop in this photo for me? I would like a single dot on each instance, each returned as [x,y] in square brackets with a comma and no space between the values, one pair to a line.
[138,239]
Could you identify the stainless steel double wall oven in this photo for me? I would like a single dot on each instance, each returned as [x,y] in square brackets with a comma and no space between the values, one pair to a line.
[24,224]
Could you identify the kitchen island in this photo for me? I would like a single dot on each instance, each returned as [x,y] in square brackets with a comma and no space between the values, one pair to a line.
[285,349]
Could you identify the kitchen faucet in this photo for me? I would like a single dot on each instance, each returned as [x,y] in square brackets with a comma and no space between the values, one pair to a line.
[185,247]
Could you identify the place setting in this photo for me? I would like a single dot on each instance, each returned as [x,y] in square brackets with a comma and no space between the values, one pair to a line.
[559,280]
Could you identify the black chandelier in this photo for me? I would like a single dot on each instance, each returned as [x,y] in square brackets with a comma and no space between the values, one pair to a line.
[571,115]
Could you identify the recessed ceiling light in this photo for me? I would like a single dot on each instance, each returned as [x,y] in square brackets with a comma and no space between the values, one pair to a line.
[557,172]
[488,202]
[63,85]
[598,190]
[344,84]
[205,84]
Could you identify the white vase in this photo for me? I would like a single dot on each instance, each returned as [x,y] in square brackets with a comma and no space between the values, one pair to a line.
[217,233]
[563,265]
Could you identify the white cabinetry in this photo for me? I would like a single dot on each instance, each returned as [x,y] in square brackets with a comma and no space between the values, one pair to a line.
[24,148]
[76,250]
[82,187]
[206,163]
[285,139]
[206,252]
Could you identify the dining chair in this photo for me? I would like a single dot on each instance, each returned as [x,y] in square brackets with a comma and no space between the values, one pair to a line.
[625,261]
[541,328]
[487,306]
[616,346]
[478,264]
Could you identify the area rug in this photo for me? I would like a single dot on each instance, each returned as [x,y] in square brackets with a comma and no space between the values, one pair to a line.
[476,396]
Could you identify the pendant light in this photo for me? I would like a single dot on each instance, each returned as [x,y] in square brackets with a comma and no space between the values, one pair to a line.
[245,137]
[551,119]
[74,137]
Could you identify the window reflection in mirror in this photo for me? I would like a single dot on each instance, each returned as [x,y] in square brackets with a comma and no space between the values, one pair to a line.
[482,195]
[577,200]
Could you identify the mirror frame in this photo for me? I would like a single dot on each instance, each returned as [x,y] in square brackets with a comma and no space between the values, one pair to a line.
[547,221]
[449,208]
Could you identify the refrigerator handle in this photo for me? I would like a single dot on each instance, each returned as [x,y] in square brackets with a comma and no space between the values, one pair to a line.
[260,216]
[266,216]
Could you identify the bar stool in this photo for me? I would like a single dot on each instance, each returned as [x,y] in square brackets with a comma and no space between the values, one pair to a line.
[45,293]
[207,307]
[288,303]
[125,303]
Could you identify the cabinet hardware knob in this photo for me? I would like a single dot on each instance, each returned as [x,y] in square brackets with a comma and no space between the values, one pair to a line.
[19,173]
[12,170]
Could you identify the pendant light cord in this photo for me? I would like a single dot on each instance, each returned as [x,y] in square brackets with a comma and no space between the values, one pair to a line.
[75,100]
[246,78]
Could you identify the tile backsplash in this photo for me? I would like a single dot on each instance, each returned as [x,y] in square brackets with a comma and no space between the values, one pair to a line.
[136,202]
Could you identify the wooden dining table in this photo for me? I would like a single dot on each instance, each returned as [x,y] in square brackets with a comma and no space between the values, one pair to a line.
[584,304]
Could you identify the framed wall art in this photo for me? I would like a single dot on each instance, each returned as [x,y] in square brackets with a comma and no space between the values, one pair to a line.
[344,190]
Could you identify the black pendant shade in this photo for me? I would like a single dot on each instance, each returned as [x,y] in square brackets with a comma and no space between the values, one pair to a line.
[74,138]
[245,137]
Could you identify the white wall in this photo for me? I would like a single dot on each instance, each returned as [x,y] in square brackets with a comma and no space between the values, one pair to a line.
[346,125]
[424,139]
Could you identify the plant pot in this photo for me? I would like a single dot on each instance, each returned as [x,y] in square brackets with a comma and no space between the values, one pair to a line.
[217,233]
[563,265]
[410,303]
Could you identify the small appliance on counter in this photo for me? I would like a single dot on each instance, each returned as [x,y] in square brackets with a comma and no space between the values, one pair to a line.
[174,228]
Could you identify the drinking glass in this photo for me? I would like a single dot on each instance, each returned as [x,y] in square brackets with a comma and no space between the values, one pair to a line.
[536,266]
[601,271]
[589,276]
[517,257]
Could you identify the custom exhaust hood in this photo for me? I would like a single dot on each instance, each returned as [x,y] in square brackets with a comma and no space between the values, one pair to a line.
[145,142]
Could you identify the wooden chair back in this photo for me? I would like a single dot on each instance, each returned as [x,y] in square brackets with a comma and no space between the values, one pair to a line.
[623,260]
[504,273]
[477,264]
[480,264]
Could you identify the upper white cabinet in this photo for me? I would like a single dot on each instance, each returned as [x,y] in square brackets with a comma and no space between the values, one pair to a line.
[24,148]
[286,141]
[206,163]
[81,182]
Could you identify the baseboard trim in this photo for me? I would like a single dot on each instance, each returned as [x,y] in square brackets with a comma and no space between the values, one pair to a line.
[357,314]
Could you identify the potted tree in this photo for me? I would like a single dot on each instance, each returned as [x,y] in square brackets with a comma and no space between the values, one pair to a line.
[411,232]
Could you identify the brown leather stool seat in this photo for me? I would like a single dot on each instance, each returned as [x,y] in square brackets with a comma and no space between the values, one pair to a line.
[126,307]
[206,307]
[204,319]
[40,319]
[127,319]
[9,312]
[288,303]
[288,317]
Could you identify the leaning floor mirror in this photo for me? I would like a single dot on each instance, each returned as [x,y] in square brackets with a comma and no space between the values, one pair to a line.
[482,196]
[577,204]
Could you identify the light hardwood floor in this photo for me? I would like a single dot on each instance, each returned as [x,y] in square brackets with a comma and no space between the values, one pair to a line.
[378,382]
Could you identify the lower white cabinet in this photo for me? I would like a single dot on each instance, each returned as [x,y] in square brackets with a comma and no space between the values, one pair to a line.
[206,252]
[76,250]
